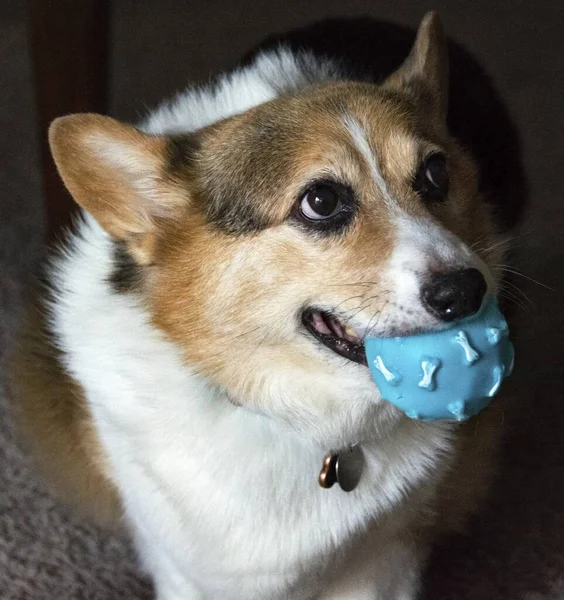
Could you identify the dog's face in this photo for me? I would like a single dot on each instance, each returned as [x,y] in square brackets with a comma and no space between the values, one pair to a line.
[268,245]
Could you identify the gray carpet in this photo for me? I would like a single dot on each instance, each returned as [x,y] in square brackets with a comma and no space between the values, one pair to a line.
[515,550]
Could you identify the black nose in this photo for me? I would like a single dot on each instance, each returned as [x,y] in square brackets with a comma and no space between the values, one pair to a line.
[454,295]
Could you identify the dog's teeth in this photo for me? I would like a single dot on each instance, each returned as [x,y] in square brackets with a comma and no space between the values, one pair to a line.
[351,333]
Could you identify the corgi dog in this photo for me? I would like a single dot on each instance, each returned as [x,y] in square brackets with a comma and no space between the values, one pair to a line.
[199,348]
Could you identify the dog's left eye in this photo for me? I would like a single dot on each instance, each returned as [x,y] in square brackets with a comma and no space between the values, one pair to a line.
[321,202]
[431,179]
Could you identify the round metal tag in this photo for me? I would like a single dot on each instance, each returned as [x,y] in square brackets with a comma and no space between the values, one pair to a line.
[349,467]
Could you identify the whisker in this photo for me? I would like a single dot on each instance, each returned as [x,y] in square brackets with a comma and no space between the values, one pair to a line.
[517,290]
[268,331]
[480,238]
[347,300]
[509,292]
[370,329]
[515,271]
[489,249]
[246,333]
[505,240]
[516,303]
[515,299]
[361,307]
[365,283]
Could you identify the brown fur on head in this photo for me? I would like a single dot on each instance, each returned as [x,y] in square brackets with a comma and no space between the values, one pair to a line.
[226,263]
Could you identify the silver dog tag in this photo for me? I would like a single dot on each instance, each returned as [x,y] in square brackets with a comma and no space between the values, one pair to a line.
[349,467]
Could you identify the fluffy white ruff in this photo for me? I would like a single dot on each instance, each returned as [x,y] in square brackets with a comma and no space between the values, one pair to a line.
[224,502]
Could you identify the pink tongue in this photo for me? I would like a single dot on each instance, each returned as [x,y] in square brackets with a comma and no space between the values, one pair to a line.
[320,324]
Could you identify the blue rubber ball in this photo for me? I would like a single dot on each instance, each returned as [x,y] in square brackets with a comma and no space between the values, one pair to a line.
[449,374]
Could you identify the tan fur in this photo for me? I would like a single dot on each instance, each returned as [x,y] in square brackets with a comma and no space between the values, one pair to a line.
[228,281]
[424,73]
[54,421]
[115,172]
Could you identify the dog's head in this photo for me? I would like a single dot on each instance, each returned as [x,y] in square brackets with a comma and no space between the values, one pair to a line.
[269,244]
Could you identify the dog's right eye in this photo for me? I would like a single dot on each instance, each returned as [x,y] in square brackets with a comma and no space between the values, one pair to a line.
[431,180]
[325,207]
[320,202]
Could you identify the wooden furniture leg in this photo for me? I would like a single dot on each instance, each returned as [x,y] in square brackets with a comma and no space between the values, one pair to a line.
[69,48]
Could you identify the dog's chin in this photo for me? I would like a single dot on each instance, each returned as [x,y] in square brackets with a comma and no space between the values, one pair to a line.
[334,334]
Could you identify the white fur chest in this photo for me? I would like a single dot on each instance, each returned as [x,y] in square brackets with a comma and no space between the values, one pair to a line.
[229,497]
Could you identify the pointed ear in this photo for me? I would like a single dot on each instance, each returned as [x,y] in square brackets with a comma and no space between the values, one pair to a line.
[424,73]
[116,173]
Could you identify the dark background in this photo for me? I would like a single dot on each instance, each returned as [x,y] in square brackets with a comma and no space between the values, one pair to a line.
[515,549]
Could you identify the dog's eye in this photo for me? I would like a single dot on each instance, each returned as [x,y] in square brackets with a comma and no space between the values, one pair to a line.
[325,207]
[321,202]
[431,180]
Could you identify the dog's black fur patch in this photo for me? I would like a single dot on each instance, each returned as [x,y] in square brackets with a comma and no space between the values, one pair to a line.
[224,208]
[126,275]
[234,216]
[181,152]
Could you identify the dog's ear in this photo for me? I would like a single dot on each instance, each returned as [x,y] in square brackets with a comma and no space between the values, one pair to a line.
[118,174]
[424,73]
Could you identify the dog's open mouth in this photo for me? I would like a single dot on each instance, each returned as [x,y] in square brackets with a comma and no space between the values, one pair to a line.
[334,334]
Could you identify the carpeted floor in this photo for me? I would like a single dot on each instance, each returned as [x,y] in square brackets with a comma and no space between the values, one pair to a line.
[515,550]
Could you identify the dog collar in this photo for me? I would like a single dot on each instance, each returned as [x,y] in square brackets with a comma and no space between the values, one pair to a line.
[344,468]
